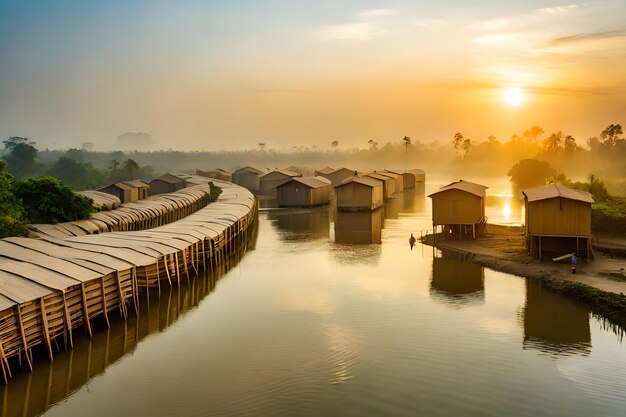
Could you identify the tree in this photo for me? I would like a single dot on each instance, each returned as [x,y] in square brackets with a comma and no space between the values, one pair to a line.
[131,167]
[466,145]
[530,173]
[262,145]
[533,134]
[9,204]
[373,144]
[113,165]
[47,200]
[569,144]
[457,142]
[334,143]
[553,142]
[611,135]
[407,143]
[20,154]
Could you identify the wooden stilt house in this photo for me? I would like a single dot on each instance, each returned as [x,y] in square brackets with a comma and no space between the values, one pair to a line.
[459,208]
[558,221]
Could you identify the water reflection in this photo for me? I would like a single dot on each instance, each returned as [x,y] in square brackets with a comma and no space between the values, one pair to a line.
[414,199]
[457,282]
[554,324]
[363,227]
[504,209]
[30,394]
[301,224]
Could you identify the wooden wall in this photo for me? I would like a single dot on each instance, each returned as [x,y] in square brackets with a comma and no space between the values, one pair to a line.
[359,196]
[558,217]
[457,207]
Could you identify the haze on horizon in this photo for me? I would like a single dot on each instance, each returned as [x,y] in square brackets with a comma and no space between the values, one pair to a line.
[228,75]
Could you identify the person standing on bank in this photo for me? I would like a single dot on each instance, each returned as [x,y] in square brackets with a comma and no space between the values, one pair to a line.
[573,264]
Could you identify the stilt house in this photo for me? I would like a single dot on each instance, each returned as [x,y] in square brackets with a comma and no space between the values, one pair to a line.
[459,208]
[558,221]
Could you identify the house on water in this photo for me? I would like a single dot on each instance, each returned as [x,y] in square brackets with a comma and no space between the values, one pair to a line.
[389,184]
[304,192]
[271,180]
[558,221]
[359,193]
[337,176]
[248,177]
[166,183]
[412,177]
[398,177]
[218,174]
[459,208]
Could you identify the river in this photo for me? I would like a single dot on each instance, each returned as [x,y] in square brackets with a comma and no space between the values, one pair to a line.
[335,315]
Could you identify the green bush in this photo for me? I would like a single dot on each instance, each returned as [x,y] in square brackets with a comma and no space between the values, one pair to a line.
[609,217]
[47,200]
[10,227]
[215,191]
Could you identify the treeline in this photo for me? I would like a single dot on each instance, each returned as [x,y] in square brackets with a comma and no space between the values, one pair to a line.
[77,168]
[37,200]
[604,155]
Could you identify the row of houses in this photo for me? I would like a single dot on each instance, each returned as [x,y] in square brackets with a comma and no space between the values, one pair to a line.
[557,218]
[134,190]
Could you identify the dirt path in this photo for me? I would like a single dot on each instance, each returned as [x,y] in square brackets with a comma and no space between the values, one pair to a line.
[502,248]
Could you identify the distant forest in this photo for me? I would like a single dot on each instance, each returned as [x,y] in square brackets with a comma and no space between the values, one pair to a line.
[603,156]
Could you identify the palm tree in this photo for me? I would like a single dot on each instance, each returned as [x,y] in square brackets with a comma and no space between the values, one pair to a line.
[553,142]
[457,142]
[373,144]
[407,142]
[569,143]
[131,166]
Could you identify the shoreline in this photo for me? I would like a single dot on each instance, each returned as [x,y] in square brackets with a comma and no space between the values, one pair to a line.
[600,283]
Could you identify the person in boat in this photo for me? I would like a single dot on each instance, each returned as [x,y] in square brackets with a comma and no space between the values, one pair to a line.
[412,241]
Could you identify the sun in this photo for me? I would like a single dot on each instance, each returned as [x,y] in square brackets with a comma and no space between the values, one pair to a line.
[513,96]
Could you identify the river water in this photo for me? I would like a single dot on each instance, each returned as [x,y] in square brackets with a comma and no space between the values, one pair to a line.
[335,315]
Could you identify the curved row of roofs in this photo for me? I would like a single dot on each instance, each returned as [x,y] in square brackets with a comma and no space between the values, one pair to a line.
[68,277]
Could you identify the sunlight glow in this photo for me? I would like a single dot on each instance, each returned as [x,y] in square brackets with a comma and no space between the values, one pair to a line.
[513,96]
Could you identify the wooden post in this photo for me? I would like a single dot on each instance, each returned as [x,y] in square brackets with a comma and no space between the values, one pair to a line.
[85,310]
[68,321]
[5,366]
[104,302]
[46,329]
[120,294]
[24,342]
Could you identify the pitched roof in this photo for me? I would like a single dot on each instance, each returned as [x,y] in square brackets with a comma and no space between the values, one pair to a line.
[137,183]
[468,187]
[248,168]
[327,170]
[284,172]
[172,179]
[313,182]
[379,176]
[556,190]
[370,182]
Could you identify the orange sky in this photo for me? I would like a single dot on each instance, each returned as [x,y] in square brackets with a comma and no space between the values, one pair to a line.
[205,76]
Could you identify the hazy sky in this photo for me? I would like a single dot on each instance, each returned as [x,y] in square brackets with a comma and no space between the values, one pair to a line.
[229,74]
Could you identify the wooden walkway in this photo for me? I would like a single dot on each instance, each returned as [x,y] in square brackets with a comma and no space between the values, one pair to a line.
[59,282]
